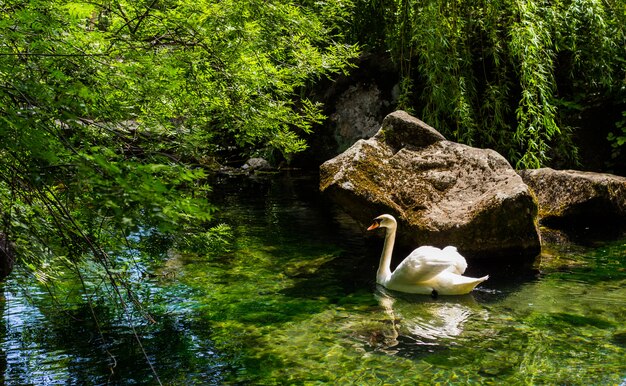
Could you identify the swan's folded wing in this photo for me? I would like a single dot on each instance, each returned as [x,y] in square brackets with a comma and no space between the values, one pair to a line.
[415,269]
[449,283]
[459,264]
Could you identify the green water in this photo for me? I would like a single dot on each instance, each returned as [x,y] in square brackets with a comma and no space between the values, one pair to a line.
[295,302]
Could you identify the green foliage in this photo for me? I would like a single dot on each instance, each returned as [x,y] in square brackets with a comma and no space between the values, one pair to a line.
[618,140]
[229,72]
[512,75]
[100,103]
[106,109]
[215,239]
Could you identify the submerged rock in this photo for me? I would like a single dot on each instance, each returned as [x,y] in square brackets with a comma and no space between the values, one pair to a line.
[569,197]
[619,337]
[441,192]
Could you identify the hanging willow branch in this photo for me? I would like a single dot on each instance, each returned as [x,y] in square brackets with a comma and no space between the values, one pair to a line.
[507,74]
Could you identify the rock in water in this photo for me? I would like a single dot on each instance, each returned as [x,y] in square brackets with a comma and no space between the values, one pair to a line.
[256,164]
[442,193]
[570,197]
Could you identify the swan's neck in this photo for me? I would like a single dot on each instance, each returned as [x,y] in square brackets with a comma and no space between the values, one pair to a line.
[385,258]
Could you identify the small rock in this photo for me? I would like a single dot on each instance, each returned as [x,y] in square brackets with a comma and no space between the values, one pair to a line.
[256,164]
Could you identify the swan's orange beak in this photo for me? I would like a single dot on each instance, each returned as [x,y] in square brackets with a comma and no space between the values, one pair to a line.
[375,225]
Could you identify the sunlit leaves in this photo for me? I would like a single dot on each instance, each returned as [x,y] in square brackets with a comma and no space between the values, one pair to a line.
[100,103]
[233,69]
[532,43]
[505,74]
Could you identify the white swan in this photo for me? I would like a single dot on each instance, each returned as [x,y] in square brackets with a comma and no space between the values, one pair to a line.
[427,270]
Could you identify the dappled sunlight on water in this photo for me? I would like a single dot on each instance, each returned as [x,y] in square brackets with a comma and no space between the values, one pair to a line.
[411,325]
[295,302]
[430,323]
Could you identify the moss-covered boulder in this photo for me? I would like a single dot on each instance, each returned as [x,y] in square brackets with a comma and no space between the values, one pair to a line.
[441,192]
[569,197]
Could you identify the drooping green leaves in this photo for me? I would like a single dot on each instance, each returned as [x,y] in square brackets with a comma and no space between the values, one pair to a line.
[531,41]
[512,75]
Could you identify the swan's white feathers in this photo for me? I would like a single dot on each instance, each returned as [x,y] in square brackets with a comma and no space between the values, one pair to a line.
[426,269]
[423,264]
[458,261]
[449,283]
[417,269]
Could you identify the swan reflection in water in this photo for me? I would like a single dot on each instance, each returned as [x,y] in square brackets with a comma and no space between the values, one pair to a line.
[411,325]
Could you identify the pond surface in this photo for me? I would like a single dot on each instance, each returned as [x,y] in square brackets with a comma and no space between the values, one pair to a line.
[295,302]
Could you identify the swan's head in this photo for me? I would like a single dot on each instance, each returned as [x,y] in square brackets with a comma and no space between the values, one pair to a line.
[384,221]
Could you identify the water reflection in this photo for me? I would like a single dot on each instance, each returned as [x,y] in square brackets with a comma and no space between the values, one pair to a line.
[45,344]
[3,331]
[415,324]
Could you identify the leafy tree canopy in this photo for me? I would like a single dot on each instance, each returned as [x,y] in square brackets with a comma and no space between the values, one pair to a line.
[100,101]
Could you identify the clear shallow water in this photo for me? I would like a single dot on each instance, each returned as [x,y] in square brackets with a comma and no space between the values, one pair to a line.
[295,302]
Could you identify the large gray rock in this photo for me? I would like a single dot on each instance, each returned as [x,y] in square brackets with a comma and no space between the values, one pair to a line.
[570,197]
[441,192]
